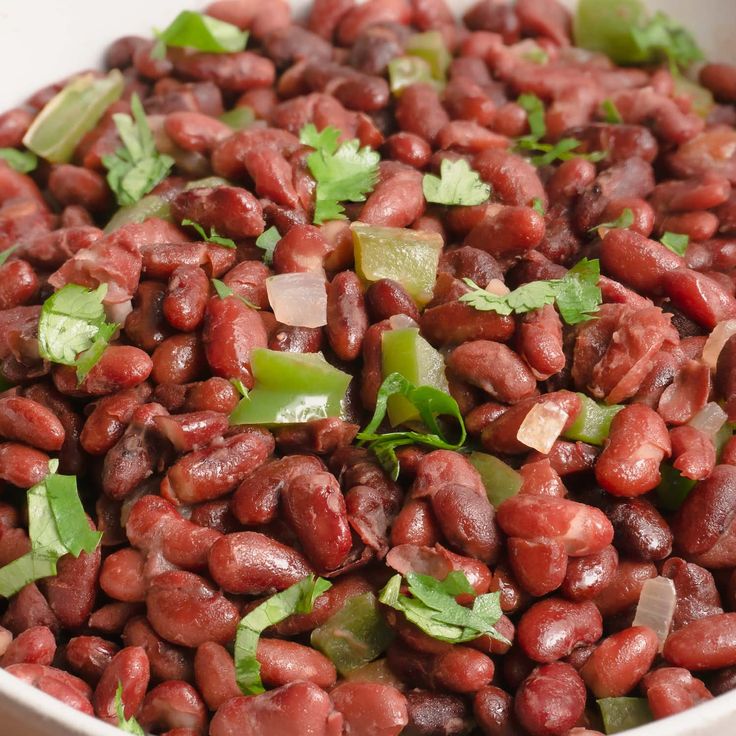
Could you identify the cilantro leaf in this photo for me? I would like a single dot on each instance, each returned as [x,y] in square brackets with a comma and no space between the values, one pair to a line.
[343,174]
[577,295]
[662,37]
[268,240]
[5,254]
[224,291]
[299,598]
[624,220]
[534,108]
[57,525]
[538,206]
[201,32]
[22,161]
[431,404]
[610,112]
[129,725]
[457,184]
[431,605]
[72,329]
[676,242]
[137,167]
[213,237]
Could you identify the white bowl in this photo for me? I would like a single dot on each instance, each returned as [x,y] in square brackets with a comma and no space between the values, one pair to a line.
[44,40]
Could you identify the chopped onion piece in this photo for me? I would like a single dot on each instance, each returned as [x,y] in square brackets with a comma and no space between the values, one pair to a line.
[542,426]
[709,419]
[401,321]
[298,299]
[656,607]
[716,340]
[118,312]
[496,286]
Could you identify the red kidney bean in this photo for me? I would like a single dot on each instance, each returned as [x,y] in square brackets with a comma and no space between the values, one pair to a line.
[552,628]
[160,260]
[550,700]
[514,180]
[194,131]
[699,297]
[697,595]
[166,661]
[276,712]
[582,529]
[467,521]
[89,656]
[18,283]
[129,668]
[639,531]
[184,609]
[25,420]
[111,618]
[236,72]
[462,669]
[539,478]
[507,232]
[214,674]
[180,358]
[358,18]
[315,508]
[587,576]
[432,713]
[283,662]
[492,708]
[637,443]
[173,705]
[77,185]
[370,708]
[214,471]
[620,661]
[415,524]
[687,394]
[193,430]
[705,644]
[13,126]
[22,466]
[622,593]
[252,563]
[440,467]
[347,321]
[539,565]
[29,608]
[420,112]
[58,684]
[186,298]
[121,576]
[725,378]
[671,690]
[36,645]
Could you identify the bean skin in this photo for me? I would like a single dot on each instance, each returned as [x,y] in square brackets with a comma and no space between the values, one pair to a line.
[128,667]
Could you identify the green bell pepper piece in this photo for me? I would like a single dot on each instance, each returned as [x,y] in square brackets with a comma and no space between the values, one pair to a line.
[620,714]
[72,113]
[206,183]
[403,71]
[606,26]
[593,423]
[355,635]
[146,207]
[430,46]
[406,352]
[702,98]
[408,256]
[239,117]
[501,481]
[291,388]
[673,489]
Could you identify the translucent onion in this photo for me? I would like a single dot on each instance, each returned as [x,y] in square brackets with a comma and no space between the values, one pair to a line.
[118,312]
[496,286]
[542,426]
[656,607]
[716,340]
[401,321]
[298,299]
[709,419]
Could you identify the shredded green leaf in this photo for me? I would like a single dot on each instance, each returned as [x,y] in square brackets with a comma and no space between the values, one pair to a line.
[224,291]
[239,387]
[676,242]
[5,254]
[268,240]
[538,206]
[72,329]
[344,173]
[624,220]
[22,161]
[299,598]
[129,725]
[432,606]
[213,237]
[431,404]
[662,37]
[136,168]
[577,295]
[610,112]
[57,525]
[457,184]
[547,153]
[201,32]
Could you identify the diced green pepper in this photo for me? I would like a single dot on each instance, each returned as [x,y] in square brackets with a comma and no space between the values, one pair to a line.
[291,388]
[407,256]
[620,714]
[355,635]
[702,98]
[72,113]
[605,26]
[431,47]
[377,671]
[673,489]
[406,352]
[403,71]
[593,423]
[206,183]
[239,117]
[501,481]
[146,207]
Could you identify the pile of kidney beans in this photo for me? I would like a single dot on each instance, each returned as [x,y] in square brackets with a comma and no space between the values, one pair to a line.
[202,520]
